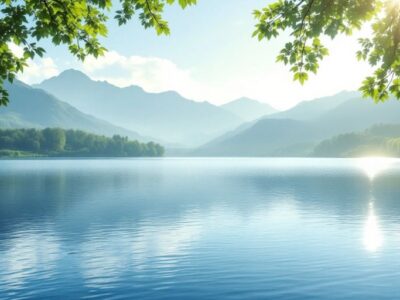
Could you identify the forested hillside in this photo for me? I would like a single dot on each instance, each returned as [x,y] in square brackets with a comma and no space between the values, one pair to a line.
[166,116]
[377,140]
[60,142]
[35,108]
[297,131]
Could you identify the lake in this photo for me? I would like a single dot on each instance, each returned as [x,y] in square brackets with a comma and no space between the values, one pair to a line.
[200,229]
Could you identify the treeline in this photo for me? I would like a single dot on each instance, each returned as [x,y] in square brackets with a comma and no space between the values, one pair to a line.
[60,142]
[380,139]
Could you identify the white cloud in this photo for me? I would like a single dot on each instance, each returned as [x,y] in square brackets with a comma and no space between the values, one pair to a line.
[16,50]
[153,74]
[272,83]
[156,74]
[37,69]
[262,80]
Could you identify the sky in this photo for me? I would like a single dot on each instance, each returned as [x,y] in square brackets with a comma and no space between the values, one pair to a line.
[209,56]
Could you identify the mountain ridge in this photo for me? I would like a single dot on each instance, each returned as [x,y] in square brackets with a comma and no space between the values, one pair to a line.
[30,107]
[166,115]
[259,138]
[249,109]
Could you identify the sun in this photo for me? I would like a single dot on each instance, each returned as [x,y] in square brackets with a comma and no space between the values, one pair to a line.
[372,166]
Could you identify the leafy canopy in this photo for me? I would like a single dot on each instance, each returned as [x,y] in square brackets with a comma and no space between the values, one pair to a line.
[308,20]
[75,23]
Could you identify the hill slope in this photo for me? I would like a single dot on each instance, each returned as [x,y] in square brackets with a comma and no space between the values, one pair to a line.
[379,140]
[167,115]
[309,110]
[358,114]
[35,108]
[249,109]
[267,137]
[296,137]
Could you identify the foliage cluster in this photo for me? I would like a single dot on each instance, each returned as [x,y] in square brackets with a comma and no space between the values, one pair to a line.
[60,142]
[307,21]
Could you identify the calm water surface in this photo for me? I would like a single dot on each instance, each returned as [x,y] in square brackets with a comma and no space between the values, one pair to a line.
[200,229]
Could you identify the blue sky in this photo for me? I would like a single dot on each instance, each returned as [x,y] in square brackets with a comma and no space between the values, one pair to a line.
[210,56]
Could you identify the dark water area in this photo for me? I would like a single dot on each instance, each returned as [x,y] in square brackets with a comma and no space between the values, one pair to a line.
[200,229]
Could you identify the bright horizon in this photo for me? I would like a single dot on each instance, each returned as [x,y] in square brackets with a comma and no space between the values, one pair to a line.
[214,61]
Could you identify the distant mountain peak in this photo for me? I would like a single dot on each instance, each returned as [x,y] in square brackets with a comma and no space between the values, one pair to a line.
[74,76]
[73,73]
[312,109]
[249,109]
[245,99]
[166,115]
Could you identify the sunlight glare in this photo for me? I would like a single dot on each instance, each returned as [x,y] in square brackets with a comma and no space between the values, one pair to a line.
[393,4]
[373,238]
[372,166]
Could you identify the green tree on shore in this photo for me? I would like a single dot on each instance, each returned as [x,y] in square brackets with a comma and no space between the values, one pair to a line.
[60,142]
[53,139]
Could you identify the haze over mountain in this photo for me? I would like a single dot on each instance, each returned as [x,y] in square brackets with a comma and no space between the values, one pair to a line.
[265,137]
[378,140]
[358,114]
[291,133]
[249,109]
[35,108]
[309,110]
[167,116]
[320,119]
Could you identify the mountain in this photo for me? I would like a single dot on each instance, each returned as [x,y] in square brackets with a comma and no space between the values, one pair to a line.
[249,109]
[267,137]
[167,116]
[309,110]
[358,114]
[379,140]
[297,136]
[35,108]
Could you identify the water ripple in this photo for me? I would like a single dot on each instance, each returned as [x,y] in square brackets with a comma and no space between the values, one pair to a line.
[199,229]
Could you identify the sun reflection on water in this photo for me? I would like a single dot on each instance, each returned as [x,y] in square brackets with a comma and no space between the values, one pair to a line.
[372,166]
[373,238]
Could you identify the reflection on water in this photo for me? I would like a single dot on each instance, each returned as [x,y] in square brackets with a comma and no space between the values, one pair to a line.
[372,166]
[373,238]
[199,229]
[29,255]
[106,254]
